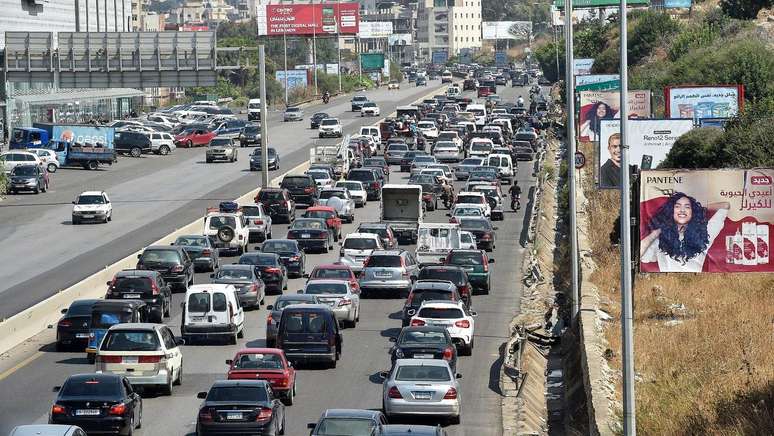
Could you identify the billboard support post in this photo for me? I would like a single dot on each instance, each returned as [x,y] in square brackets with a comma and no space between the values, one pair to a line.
[314,50]
[264,116]
[338,43]
[627,336]
[285,51]
[570,97]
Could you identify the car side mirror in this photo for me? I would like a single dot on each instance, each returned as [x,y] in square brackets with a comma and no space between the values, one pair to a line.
[179,341]
[393,339]
[201,395]
[56,389]
[300,291]
[491,261]
[384,374]
[182,304]
[473,313]
[73,202]
[212,276]
[270,307]
[311,425]
[459,375]
[139,256]
[229,362]
[63,311]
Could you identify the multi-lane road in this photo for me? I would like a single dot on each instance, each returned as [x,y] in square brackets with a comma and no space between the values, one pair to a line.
[28,375]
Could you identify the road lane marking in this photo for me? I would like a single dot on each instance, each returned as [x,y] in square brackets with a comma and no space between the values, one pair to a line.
[20,365]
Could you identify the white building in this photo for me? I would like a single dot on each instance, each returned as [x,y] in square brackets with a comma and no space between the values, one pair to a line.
[448,25]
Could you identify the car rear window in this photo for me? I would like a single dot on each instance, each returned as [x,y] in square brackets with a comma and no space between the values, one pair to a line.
[316,288]
[251,211]
[132,284]
[79,310]
[217,222]
[104,320]
[219,302]
[397,147]
[331,273]
[226,273]
[376,231]
[344,426]
[271,195]
[384,261]
[452,275]
[258,361]
[94,388]
[237,394]
[297,181]
[360,244]
[477,224]
[199,302]
[422,337]
[131,340]
[362,176]
[304,322]
[466,259]
[470,199]
[440,313]
[423,373]
[421,295]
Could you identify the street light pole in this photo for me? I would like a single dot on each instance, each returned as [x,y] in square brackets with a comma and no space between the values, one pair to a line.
[338,42]
[314,48]
[264,118]
[570,95]
[285,50]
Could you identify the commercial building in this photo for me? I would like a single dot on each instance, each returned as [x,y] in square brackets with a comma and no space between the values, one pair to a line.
[448,26]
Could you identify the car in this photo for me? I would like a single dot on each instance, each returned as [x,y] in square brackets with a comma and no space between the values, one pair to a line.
[383,230]
[227,228]
[247,281]
[221,148]
[477,199]
[454,316]
[275,313]
[250,134]
[463,169]
[388,272]
[378,161]
[423,387]
[505,168]
[493,195]
[162,143]
[484,174]
[408,159]
[476,264]
[373,132]
[412,430]
[47,430]
[212,311]
[369,108]
[469,85]
[48,157]
[107,313]
[311,234]
[394,84]
[147,355]
[421,81]
[240,407]
[267,364]
[290,253]
[330,127]
[421,162]
[269,267]
[465,210]
[356,191]
[147,286]
[453,274]
[348,422]
[322,178]
[424,342]
[383,177]
[278,202]
[27,178]
[194,137]
[302,188]
[92,206]
[428,129]
[172,262]
[482,229]
[428,289]
[339,294]
[453,92]
[72,330]
[480,147]
[356,248]
[331,217]
[357,102]
[314,121]
[97,403]
[335,271]
[447,151]
[256,159]
[259,222]
[450,135]
[134,144]
[446,76]
[293,114]
[201,250]
[310,333]
[395,152]
[369,179]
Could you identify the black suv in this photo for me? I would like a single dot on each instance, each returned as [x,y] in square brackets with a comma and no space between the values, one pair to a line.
[370,180]
[469,85]
[302,188]
[132,143]
[171,261]
[278,203]
[145,285]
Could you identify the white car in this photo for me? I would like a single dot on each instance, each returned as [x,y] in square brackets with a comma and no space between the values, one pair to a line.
[447,151]
[467,240]
[92,206]
[480,147]
[451,135]
[321,177]
[356,191]
[212,311]
[146,354]
[467,211]
[162,143]
[394,84]
[453,91]
[228,230]
[48,157]
[329,127]
[162,119]
[356,248]
[452,315]
[504,166]
[476,199]
[428,129]
[15,158]
[369,109]
[374,133]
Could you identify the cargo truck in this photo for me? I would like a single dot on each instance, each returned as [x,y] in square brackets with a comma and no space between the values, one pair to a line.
[402,209]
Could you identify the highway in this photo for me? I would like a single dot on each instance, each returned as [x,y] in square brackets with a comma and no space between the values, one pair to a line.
[28,374]
[152,196]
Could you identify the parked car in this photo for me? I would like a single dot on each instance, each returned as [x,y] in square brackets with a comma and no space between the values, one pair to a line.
[278,202]
[212,311]
[293,114]
[309,333]
[422,387]
[14,158]
[194,138]
[162,143]
[92,206]
[291,255]
[48,157]
[72,330]
[134,144]
[424,342]
[389,272]
[147,286]
[240,407]
[256,159]
[27,178]
[247,281]
[172,262]
[275,313]
[269,267]
[267,364]
[349,421]
[201,250]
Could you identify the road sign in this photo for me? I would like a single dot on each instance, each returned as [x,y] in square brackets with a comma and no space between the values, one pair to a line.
[580,160]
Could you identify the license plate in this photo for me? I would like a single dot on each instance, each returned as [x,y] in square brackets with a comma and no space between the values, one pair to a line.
[129,359]
[234,415]
[383,274]
[306,235]
[197,318]
[470,269]
[82,335]
[87,216]
[440,324]
[131,295]
[423,395]
[423,356]
[87,412]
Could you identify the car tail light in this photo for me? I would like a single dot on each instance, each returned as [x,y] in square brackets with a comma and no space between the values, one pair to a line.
[269,319]
[65,323]
[273,270]
[117,409]
[448,353]
[463,323]
[258,222]
[177,268]
[264,414]
[308,190]
[417,323]
[205,414]
[291,236]
[345,302]
[324,235]
[109,359]
[285,204]
[464,290]
[149,359]
[56,409]
[451,394]
[253,288]
[394,393]
[154,288]
[486,265]
[331,341]
[281,382]
[375,185]
[206,252]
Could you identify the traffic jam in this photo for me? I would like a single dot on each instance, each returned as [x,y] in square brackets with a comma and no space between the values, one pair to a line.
[411,212]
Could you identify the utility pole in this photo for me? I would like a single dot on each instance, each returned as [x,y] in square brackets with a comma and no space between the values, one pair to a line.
[627,334]
[314,48]
[264,118]
[570,94]
[338,42]
[285,50]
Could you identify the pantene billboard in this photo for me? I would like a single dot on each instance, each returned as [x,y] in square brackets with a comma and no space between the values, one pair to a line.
[706,220]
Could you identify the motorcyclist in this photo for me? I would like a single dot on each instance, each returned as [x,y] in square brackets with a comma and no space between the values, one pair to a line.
[515,191]
[520,101]
[326,97]
[448,192]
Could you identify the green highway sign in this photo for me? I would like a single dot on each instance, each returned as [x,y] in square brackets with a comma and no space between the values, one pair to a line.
[610,85]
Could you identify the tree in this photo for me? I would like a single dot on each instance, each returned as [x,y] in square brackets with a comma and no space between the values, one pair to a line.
[744,9]
[546,55]
[696,149]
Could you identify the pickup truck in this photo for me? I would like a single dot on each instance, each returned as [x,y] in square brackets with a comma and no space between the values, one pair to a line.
[41,134]
[402,208]
[89,157]
[435,240]
[334,152]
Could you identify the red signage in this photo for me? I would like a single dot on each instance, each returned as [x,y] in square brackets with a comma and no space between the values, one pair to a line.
[311,19]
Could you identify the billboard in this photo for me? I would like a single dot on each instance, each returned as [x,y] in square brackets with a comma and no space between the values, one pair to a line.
[649,142]
[559,4]
[591,79]
[466,56]
[308,19]
[372,61]
[698,102]
[327,68]
[677,4]
[440,57]
[501,59]
[600,105]
[296,78]
[706,220]
[518,30]
[400,39]
[582,67]
[375,29]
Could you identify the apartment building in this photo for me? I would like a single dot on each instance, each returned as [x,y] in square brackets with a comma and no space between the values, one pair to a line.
[448,25]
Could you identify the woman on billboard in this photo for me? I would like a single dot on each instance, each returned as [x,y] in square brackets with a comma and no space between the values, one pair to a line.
[599,111]
[680,234]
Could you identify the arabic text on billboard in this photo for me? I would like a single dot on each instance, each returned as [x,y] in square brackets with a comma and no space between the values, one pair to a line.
[698,102]
[295,78]
[375,29]
[440,56]
[600,105]
[599,3]
[649,142]
[518,30]
[309,19]
[706,220]
[595,78]
[372,61]
[677,4]
[582,67]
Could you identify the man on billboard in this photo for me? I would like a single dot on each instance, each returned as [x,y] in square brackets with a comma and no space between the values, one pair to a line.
[610,172]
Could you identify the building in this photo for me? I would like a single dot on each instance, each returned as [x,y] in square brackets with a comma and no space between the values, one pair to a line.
[448,26]
[398,45]
[153,22]
[138,12]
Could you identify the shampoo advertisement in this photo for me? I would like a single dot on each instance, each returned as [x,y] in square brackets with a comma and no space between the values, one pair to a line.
[697,102]
[706,220]
[605,105]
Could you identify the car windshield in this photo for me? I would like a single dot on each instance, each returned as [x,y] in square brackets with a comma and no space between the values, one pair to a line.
[247,394]
[331,273]
[466,259]
[293,109]
[220,142]
[384,261]
[374,162]
[344,427]
[307,224]
[422,373]
[422,337]
[24,170]
[251,130]
[324,214]
[316,288]
[447,136]
[191,241]
[278,247]
[160,256]
[258,361]
[92,388]
[476,224]
[216,222]
[90,199]
[330,122]
[131,340]
[227,273]
[369,104]
[360,244]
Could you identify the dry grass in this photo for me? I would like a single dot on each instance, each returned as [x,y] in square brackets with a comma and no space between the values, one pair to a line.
[703,343]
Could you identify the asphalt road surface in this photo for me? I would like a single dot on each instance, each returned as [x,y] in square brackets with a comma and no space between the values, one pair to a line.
[152,196]
[28,375]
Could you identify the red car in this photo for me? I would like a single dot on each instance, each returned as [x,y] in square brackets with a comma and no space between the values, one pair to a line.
[330,216]
[267,364]
[335,271]
[194,138]
[484,91]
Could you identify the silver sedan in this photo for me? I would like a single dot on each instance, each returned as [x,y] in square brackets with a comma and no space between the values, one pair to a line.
[343,300]
[421,387]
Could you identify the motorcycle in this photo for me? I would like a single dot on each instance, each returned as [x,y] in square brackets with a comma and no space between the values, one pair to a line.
[515,202]
[326,98]
[448,198]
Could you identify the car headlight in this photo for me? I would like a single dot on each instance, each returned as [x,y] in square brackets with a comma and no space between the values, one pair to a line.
[399,353]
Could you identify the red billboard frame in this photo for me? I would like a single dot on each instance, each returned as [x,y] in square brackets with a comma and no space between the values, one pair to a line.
[313,19]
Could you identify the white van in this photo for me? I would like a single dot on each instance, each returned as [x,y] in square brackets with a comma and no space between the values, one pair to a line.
[373,132]
[435,240]
[212,311]
[479,112]
[504,166]
[254,109]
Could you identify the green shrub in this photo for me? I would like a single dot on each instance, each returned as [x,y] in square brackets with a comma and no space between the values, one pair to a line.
[744,9]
